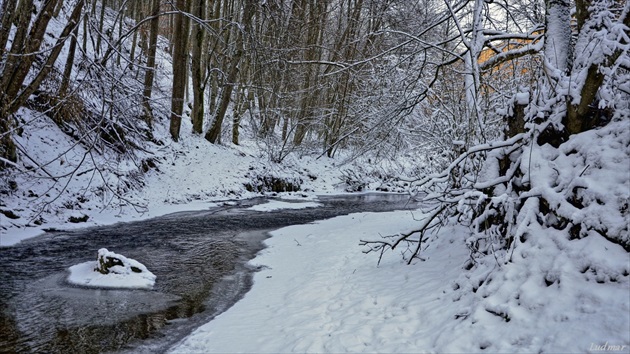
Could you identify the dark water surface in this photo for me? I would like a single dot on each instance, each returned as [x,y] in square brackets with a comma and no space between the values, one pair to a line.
[199,258]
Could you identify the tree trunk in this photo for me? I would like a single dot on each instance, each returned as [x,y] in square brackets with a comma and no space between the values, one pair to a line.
[13,95]
[86,19]
[558,35]
[236,118]
[48,65]
[197,69]
[101,23]
[584,115]
[150,72]
[67,71]
[11,74]
[215,130]
[8,14]
[311,95]
[136,14]
[180,59]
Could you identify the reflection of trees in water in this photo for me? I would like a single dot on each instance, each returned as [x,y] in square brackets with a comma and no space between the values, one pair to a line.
[51,320]
[95,339]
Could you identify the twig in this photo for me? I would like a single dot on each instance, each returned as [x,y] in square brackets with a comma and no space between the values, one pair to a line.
[23,151]
[584,170]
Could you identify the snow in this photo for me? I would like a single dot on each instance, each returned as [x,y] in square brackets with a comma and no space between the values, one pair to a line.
[191,175]
[276,205]
[317,293]
[85,274]
[594,164]
[521,98]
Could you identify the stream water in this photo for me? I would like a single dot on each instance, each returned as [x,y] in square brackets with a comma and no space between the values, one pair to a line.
[200,259]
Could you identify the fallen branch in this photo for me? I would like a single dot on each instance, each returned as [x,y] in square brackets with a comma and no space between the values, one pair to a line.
[382,246]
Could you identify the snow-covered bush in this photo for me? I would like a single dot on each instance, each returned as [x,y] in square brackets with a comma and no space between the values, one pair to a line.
[270,180]
[547,207]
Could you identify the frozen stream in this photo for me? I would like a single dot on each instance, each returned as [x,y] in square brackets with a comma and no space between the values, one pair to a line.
[200,259]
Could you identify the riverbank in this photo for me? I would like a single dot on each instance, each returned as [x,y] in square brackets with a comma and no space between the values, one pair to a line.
[192,174]
[316,293]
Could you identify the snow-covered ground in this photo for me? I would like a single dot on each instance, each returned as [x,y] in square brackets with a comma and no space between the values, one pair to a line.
[316,293]
[319,293]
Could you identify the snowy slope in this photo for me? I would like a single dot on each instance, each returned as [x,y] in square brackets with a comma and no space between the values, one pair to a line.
[189,175]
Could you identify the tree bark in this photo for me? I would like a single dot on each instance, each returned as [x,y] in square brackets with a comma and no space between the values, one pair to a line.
[136,14]
[558,35]
[18,63]
[197,69]
[8,14]
[101,23]
[180,60]
[48,65]
[150,72]
[311,95]
[67,71]
[583,116]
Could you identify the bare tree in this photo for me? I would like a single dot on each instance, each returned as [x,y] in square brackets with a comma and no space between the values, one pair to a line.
[20,60]
[180,67]
[213,134]
[150,66]
[197,68]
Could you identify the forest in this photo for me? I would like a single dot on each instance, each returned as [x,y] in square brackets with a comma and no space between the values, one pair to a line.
[508,121]
[315,75]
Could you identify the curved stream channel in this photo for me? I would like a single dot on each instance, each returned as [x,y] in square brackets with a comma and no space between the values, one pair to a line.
[200,259]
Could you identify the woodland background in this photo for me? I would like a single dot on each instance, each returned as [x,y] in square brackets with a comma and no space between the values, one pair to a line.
[475,95]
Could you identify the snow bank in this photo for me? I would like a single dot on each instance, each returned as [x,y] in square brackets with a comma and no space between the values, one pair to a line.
[131,274]
[277,205]
[317,293]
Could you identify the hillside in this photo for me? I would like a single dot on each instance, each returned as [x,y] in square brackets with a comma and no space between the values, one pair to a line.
[89,158]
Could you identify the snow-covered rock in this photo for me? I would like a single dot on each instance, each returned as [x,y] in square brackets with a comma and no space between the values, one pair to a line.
[112,270]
